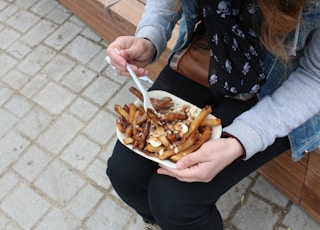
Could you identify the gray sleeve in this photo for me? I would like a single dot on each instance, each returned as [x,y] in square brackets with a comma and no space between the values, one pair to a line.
[157,23]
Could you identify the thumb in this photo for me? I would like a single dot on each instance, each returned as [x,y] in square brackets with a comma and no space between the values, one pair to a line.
[132,53]
[188,161]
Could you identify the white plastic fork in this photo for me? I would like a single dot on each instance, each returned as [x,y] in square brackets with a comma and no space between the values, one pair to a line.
[146,100]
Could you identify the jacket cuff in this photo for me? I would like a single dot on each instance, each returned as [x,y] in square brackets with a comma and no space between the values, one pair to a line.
[153,35]
[247,136]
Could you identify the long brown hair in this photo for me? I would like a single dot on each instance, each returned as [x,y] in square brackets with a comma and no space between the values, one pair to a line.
[279,18]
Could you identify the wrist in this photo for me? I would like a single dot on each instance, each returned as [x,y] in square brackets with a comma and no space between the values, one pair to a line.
[150,46]
[236,143]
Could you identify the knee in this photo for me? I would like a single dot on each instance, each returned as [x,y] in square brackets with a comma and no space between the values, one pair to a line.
[166,211]
[169,209]
[172,208]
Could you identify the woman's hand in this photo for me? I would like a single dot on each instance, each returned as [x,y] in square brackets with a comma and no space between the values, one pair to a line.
[204,164]
[138,52]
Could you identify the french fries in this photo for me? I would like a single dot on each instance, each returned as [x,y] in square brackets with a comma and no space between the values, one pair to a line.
[169,133]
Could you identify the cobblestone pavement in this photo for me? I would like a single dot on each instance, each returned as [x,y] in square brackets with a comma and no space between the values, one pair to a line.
[57,131]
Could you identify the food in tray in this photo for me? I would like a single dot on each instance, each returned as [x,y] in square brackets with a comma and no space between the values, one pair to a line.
[174,130]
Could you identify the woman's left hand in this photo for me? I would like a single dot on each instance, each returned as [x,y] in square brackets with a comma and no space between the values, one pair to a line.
[205,163]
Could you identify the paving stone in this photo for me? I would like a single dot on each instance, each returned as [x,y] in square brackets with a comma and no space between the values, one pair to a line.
[57,219]
[84,202]
[7,120]
[54,98]
[39,57]
[101,90]
[3,222]
[233,197]
[98,63]
[32,163]
[89,33]
[6,63]
[59,183]
[34,123]
[74,19]
[43,7]
[63,35]
[112,74]
[58,15]
[38,33]
[108,218]
[80,153]
[83,109]
[82,49]
[97,172]
[7,37]
[16,79]
[11,226]
[101,128]
[5,94]
[136,223]
[58,67]
[78,78]
[34,86]
[296,219]
[8,12]
[19,50]
[265,189]
[18,105]
[107,151]
[255,214]
[22,20]
[25,206]
[7,182]
[3,5]
[11,147]
[60,133]
[25,4]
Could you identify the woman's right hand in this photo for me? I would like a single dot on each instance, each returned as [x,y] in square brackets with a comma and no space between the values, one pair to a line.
[138,52]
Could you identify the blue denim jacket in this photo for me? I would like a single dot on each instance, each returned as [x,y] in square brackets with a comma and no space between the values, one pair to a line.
[158,22]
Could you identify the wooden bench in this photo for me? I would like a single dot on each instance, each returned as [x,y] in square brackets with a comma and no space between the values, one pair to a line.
[299,181]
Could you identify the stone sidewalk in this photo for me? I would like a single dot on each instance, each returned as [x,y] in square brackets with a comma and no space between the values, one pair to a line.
[57,131]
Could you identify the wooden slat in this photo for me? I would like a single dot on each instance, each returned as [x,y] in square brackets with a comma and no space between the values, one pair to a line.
[93,13]
[310,196]
[314,163]
[287,176]
[107,3]
[310,201]
[312,182]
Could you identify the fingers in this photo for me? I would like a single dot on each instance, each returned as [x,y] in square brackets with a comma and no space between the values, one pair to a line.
[126,50]
[116,59]
[189,160]
[185,175]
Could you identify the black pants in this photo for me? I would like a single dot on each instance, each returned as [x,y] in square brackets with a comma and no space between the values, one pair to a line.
[170,203]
